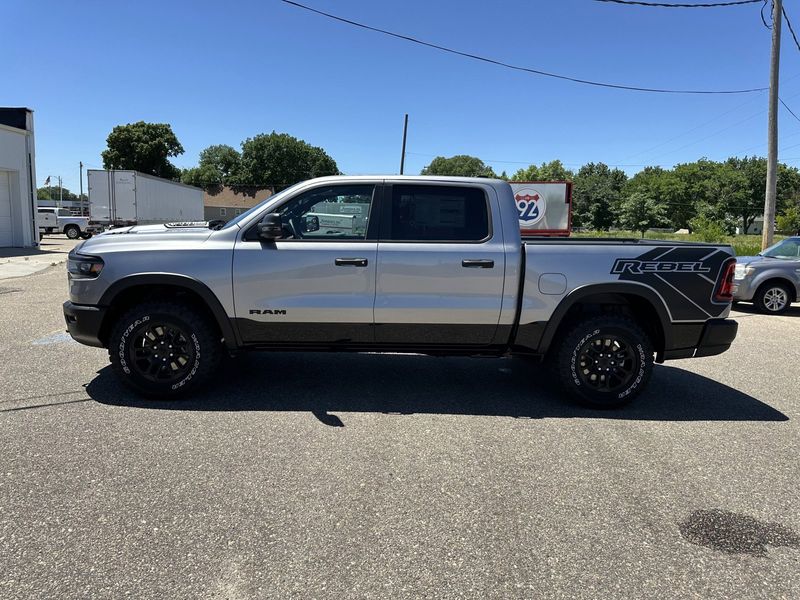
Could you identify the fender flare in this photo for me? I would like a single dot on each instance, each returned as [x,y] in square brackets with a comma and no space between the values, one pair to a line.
[181,281]
[627,288]
[773,275]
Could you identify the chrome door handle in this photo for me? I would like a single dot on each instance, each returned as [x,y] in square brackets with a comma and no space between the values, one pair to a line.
[350,262]
[477,263]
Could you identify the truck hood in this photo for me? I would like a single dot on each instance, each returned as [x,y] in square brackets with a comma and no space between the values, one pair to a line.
[145,234]
[746,260]
[766,261]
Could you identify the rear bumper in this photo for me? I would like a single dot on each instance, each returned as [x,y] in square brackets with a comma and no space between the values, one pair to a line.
[84,322]
[716,337]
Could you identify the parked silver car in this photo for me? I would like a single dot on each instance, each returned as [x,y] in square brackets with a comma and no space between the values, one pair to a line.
[770,280]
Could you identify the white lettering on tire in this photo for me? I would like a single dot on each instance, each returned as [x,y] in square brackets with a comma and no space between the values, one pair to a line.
[574,359]
[639,375]
[124,339]
[196,365]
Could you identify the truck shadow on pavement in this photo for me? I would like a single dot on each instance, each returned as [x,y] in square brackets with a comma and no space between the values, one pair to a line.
[407,384]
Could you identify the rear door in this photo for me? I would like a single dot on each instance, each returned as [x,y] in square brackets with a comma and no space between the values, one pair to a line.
[316,285]
[441,264]
[124,196]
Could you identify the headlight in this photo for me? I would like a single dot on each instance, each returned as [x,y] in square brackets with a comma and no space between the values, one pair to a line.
[743,271]
[84,267]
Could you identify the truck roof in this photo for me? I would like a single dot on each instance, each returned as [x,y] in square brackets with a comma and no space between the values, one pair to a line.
[410,178]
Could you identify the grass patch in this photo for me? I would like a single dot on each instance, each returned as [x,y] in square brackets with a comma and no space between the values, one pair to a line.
[743,245]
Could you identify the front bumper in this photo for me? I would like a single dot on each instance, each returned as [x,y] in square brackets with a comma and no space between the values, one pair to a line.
[84,323]
[716,337]
[743,289]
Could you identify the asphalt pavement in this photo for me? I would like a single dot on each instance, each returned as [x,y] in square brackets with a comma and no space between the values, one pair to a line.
[385,476]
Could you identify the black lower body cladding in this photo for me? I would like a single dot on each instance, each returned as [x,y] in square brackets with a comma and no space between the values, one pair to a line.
[84,323]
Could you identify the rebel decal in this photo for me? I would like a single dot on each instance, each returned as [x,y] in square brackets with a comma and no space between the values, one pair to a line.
[635,266]
[684,276]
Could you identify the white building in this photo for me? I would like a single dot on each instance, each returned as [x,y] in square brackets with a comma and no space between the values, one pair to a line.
[755,228]
[17,179]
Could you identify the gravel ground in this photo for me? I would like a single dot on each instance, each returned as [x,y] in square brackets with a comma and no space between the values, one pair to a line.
[372,476]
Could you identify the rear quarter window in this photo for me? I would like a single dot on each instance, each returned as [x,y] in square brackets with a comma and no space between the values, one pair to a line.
[435,213]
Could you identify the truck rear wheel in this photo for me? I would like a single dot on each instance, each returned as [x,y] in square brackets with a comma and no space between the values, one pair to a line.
[72,232]
[164,349]
[605,361]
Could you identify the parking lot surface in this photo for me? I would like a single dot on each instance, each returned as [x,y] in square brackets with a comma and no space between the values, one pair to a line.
[301,475]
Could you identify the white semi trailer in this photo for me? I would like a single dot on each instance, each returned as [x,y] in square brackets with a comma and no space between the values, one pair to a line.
[119,198]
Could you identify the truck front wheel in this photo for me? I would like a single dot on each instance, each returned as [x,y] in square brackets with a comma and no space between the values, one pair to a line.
[164,349]
[605,361]
[72,232]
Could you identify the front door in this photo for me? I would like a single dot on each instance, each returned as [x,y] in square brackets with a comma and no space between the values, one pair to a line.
[441,266]
[315,285]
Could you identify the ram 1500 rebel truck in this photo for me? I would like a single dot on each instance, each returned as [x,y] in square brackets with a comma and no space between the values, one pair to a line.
[428,265]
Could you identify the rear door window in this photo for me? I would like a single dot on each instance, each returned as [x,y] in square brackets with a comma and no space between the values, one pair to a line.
[435,213]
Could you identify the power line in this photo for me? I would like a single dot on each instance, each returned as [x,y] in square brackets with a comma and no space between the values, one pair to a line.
[791,29]
[688,131]
[516,67]
[665,5]
[789,109]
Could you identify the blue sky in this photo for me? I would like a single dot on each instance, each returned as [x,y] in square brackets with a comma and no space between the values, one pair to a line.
[219,72]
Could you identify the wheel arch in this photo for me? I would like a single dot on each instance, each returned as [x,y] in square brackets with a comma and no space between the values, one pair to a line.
[775,278]
[638,301]
[127,291]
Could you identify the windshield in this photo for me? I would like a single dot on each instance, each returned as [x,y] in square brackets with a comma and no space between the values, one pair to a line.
[257,207]
[789,248]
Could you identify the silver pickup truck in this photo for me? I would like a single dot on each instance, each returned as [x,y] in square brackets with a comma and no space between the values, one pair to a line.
[428,265]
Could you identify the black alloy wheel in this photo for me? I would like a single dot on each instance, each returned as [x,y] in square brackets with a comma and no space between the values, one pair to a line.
[162,352]
[607,363]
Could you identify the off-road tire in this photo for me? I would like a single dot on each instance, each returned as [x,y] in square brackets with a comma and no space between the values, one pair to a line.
[767,295]
[635,361]
[73,232]
[201,340]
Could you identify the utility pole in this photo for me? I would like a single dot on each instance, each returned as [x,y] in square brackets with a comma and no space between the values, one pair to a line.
[80,164]
[60,193]
[772,152]
[403,155]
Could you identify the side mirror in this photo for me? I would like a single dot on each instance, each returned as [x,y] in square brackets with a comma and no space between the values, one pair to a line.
[309,224]
[270,227]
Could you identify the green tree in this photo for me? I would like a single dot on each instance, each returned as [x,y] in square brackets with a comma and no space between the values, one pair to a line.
[789,221]
[707,226]
[218,165]
[281,160]
[639,212]
[460,165]
[552,171]
[51,193]
[596,195]
[690,190]
[665,188]
[143,147]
